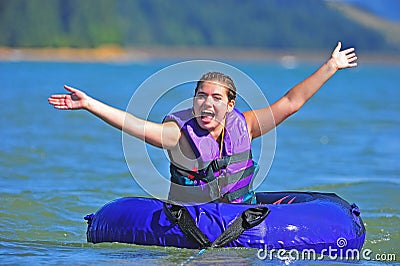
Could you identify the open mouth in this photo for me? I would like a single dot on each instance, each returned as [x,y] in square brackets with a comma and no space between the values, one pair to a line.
[207,116]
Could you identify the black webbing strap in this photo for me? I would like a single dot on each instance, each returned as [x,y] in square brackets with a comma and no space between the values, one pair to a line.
[209,168]
[246,220]
[231,196]
[221,163]
[180,215]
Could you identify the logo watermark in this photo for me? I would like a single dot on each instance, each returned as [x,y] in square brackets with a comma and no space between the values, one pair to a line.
[339,252]
[170,90]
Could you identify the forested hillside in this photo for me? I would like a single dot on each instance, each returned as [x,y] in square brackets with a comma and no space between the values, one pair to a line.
[271,24]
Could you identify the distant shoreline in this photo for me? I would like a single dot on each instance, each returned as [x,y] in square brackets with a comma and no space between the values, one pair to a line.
[118,54]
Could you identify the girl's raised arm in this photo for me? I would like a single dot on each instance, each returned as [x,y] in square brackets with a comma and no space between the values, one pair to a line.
[165,135]
[263,120]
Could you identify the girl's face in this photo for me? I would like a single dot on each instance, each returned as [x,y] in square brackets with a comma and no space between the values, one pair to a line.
[210,106]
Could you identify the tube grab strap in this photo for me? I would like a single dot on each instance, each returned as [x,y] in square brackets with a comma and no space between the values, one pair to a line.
[246,220]
[180,215]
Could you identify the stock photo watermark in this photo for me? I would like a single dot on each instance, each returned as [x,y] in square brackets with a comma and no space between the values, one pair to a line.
[330,253]
[178,82]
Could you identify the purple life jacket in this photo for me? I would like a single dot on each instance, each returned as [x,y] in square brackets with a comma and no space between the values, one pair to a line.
[227,179]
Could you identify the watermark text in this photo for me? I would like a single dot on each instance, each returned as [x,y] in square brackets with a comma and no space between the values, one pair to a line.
[330,253]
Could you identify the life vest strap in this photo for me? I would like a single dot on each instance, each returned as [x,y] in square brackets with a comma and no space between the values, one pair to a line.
[208,176]
[234,178]
[222,163]
[236,194]
[216,165]
[216,187]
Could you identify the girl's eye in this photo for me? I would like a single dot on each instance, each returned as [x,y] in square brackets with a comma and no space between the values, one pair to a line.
[201,96]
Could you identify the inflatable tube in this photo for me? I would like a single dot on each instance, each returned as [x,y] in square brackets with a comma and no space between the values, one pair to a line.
[297,220]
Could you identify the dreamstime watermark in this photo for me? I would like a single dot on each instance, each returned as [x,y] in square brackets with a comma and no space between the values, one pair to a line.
[170,90]
[331,253]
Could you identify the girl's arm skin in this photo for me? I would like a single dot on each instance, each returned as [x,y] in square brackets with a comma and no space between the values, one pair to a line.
[167,135]
[263,120]
[164,135]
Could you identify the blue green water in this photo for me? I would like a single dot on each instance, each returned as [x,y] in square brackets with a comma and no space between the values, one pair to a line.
[58,166]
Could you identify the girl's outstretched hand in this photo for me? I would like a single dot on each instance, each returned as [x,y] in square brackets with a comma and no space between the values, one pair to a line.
[344,59]
[76,99]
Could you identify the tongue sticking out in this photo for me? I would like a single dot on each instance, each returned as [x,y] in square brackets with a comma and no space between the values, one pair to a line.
[207,116]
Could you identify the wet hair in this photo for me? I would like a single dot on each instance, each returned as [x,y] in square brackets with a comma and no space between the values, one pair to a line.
[220,78]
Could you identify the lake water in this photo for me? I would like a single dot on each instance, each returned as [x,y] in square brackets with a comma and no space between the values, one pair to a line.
[58,166]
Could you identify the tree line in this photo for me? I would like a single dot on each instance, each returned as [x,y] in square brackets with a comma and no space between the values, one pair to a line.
[272,24]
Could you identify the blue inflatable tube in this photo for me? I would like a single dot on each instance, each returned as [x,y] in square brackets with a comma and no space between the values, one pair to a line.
[297,220]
